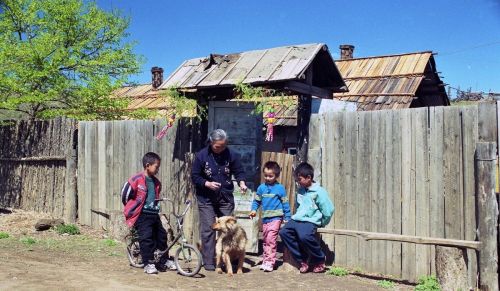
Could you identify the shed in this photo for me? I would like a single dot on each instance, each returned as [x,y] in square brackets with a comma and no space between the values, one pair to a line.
[391,81]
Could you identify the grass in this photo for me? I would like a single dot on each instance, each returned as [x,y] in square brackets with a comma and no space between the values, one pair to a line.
[3,235]
[110,242]
[428,283]
[28,241]
[337,271]
[386,284]
[70,229]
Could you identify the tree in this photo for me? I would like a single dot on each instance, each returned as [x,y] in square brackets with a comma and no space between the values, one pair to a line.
[64,57]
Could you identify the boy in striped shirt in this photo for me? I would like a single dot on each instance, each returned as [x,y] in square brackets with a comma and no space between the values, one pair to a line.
[272,196]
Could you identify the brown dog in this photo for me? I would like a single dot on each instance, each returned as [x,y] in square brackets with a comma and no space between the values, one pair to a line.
[231,242]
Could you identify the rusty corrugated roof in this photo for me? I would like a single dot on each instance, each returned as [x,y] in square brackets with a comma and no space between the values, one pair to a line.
[254,67]
[383,82]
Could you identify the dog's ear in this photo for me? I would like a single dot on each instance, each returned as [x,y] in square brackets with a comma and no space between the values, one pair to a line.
[231,220]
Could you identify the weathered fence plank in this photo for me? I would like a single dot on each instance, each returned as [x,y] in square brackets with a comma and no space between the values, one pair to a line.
[408,193]
[487,215]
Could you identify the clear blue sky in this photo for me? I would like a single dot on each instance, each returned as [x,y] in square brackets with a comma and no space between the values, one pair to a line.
[465,34]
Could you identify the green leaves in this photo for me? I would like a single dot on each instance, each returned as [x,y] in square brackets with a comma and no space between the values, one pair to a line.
[63,57]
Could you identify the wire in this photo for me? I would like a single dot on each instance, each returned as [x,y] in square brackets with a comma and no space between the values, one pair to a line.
[469,48]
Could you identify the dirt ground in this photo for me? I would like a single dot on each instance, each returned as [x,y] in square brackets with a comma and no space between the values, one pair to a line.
[33,260]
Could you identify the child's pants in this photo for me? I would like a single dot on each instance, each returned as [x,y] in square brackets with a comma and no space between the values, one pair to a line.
[270,233]
[296,234]
[152,236]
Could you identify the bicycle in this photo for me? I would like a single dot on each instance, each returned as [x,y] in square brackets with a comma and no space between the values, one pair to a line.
[187,258]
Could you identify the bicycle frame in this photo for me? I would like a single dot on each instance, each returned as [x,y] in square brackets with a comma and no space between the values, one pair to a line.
[179,223]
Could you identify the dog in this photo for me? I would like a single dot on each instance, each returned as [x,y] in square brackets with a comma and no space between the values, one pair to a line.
[231,242]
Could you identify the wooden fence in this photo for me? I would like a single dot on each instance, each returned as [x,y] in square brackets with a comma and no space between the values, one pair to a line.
[37,166]
[111,151]
[408,172]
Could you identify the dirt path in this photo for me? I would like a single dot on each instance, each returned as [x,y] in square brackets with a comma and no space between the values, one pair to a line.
[89,262]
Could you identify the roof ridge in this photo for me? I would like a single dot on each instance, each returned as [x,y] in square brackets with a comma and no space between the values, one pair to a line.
[387,56]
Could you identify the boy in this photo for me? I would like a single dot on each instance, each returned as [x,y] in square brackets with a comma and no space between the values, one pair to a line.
[271,195]
[139,196]
[315,209]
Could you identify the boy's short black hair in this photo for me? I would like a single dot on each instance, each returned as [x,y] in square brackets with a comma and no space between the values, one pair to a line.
[275,167]
[304,170]
[150,158]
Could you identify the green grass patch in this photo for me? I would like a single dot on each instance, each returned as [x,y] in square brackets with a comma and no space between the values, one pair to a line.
[337,271]
[70,229]
[110,242]
[3,235]
[386,284]
[428,283]
[28,241]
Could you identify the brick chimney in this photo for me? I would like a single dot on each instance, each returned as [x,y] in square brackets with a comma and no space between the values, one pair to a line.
[157,77]
[346,51]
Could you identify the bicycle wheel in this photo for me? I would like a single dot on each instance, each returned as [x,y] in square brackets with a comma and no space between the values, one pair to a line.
[134,254]
[188,260]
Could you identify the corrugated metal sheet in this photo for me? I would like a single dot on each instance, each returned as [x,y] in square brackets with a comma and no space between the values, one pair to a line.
[258,66]
[385,82]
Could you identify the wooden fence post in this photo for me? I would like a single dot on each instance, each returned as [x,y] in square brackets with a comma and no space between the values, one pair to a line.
[70,195]
[487,214]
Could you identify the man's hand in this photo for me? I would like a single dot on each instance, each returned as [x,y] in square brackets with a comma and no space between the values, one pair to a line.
[214,186]
[252,214]
[243,187]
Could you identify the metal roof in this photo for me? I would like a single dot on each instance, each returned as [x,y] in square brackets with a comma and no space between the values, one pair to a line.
[256,67]
[383,82]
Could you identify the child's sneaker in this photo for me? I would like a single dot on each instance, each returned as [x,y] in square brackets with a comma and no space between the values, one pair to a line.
[319,268]
[267,268]
[150,269]
[262,266]
[304,267]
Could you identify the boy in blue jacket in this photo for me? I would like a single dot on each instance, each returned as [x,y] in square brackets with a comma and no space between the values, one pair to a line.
[314,209]
[271,195]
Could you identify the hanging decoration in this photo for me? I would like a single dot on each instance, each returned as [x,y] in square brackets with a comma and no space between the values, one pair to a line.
[163,131]
[270,120]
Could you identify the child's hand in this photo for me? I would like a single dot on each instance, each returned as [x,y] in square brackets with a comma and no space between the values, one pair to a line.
[252,214]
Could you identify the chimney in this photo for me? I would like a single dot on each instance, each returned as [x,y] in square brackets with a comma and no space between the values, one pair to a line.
[157,77]
[346,51]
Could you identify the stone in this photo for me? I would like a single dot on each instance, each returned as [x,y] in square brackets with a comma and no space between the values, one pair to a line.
[48,223]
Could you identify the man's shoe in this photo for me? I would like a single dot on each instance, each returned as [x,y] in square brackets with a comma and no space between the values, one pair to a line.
[304,268]
[167,265]
[209,268]
[150,269]
[319,268]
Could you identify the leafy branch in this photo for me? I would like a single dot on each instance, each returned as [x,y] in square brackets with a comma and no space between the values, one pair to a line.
[264,99]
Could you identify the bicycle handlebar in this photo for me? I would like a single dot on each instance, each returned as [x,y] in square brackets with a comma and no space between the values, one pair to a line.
[187,203]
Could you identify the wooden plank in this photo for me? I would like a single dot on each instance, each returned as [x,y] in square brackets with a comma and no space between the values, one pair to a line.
[469,138]
[103,175]
[94,175]
[487,121]
[375,176]
[364,187]
[388,194]
[382,191]
[420,117]
[452,173]
[436,186]
[395,199]
[408,194]
[487,214]
[87,160]
[339,131]
[352,200]
[369,235]
[329,173]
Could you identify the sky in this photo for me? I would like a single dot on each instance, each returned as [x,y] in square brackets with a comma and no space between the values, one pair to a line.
[465,34]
